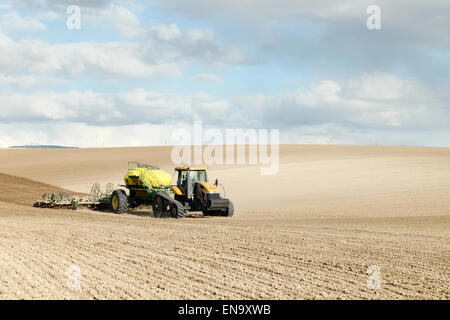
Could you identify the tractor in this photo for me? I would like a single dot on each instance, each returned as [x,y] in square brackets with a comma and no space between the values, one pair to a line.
[148,185]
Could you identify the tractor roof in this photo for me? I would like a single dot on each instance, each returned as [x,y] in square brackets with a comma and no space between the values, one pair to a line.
[190,168]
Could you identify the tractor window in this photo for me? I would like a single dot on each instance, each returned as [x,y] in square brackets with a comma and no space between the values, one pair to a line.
[194,177]
[182,180]
[198,176]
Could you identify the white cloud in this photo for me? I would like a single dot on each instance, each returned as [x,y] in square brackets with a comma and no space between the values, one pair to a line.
[414,15]
[387,87]
[331,36]
[168,33]
[123,19]
[42,5]
[377,100]
[84,135]
[167,41]
[121,59]
[48,15]
[137,106]
[344,135]
[28,81]
[159,51]
[208,78]
[351,105]
[12,21]
[193,46]
[323,92]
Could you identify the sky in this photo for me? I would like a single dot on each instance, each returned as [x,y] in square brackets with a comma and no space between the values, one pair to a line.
[135,71]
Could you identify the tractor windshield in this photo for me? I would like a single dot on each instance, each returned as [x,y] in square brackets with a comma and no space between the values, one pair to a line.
[198,176]
[194,177]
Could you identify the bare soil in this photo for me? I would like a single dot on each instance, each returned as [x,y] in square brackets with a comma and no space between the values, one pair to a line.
[309,232]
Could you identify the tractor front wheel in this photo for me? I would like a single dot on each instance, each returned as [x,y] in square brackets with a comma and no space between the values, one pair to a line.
[119,201]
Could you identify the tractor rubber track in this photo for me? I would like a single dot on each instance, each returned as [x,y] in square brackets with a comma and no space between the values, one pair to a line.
[178,204]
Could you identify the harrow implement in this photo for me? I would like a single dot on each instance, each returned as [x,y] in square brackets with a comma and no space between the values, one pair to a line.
[96,199]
